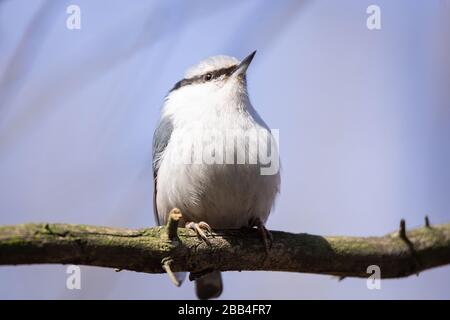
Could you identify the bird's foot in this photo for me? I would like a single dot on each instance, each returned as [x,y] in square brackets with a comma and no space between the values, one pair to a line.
[265,234]
[200,229]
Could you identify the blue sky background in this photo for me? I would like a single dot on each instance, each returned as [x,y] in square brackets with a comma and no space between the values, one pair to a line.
[364,119]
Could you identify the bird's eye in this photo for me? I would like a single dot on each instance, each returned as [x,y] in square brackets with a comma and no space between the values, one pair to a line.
[208,76]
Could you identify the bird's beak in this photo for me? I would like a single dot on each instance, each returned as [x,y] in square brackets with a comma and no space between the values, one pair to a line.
[242,67]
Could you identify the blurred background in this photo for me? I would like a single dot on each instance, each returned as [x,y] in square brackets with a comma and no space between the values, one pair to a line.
[364,119]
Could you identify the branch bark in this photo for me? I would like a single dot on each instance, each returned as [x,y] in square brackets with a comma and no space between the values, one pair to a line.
[398,254]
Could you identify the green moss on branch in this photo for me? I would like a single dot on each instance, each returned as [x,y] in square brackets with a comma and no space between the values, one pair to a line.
[143,250]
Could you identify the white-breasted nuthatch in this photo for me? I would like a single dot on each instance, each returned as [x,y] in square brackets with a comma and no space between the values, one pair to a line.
[210,152]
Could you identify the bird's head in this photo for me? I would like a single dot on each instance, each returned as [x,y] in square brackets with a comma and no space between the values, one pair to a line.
[217,80]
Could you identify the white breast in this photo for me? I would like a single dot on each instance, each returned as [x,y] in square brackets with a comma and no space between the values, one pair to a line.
[223,195]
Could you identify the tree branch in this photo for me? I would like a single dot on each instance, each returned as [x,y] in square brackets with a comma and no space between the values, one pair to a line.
[158,250]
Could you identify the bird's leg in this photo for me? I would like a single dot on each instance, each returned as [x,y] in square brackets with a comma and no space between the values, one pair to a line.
[264,233]
[198,228]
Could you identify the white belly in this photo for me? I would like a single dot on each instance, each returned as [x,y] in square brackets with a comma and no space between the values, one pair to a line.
[226,196]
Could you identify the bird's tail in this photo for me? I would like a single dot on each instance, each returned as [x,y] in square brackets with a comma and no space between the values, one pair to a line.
[209,285]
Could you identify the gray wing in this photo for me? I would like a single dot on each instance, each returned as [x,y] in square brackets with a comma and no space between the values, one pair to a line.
[161,138]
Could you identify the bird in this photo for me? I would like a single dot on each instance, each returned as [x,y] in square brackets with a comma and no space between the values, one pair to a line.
[208,106]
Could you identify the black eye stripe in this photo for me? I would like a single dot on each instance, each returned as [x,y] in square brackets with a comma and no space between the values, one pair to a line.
[201,78]
[223,71]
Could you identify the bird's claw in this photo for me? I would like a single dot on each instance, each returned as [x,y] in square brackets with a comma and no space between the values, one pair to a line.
[198,228]
[265,234]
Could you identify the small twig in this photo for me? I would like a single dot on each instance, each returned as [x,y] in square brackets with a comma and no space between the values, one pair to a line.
[172,224]
[402,231]
[166,266]
[427,222]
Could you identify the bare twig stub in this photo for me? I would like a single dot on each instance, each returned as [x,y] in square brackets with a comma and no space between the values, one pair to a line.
[166,266]
[427,222]
[172,224]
